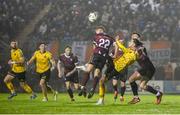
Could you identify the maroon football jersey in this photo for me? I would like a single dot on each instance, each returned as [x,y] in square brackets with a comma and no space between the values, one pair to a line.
[102,43]
[144,60]
[68,61]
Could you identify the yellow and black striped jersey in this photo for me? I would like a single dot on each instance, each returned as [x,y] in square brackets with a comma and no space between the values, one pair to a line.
[129,57]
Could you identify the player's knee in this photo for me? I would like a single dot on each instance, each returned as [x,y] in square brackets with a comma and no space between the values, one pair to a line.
[130,80]
[76,86]
[101,82]
[42,84]
[6,80]
[114,83]
[22,84]
[96,74]
[142,86]
[88,70]
[123,84]
[68,87]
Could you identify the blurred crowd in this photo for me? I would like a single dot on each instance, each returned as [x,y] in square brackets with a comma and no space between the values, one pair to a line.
[68,20]
[15,14]
[155,19]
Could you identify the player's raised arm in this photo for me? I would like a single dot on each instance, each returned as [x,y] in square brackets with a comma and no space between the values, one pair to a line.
[115,50]
[121,46]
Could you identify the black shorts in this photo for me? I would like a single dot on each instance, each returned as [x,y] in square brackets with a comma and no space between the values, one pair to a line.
[122,76]
[45,75]
[109,70]
[72,78]
[21,76]
[98,61]
[146,73]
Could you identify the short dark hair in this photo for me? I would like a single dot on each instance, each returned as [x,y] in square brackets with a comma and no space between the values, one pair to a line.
[68,47]
[14,40]
[137,43]
[40,43]
[136,34]
[119,33]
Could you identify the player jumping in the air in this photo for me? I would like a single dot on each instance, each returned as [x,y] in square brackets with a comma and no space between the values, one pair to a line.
[122,76]
[67,69]
[17,63]
[117,65]
[144,73]
[44,65]
[101,45]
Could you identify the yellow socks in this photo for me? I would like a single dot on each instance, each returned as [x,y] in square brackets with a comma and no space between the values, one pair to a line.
[10,87]
[101,90]
[27,88]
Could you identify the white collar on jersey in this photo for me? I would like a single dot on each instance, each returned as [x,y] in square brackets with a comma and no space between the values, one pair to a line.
[66,55]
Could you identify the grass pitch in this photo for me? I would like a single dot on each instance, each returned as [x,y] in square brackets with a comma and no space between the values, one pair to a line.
[21,104]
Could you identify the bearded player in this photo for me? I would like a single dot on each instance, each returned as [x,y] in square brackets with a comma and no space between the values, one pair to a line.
[17,63]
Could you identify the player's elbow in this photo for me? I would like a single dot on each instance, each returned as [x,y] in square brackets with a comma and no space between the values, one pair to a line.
[42,84]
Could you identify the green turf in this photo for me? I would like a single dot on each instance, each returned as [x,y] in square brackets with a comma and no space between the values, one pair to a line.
[22,104]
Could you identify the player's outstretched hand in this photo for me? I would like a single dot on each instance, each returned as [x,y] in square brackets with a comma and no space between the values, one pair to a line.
[10,62]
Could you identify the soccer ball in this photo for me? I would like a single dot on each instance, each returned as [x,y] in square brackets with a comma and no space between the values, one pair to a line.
[93,16]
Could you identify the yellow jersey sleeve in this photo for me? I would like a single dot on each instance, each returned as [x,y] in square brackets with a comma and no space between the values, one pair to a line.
[34,55]
[121,46]
[49,55]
